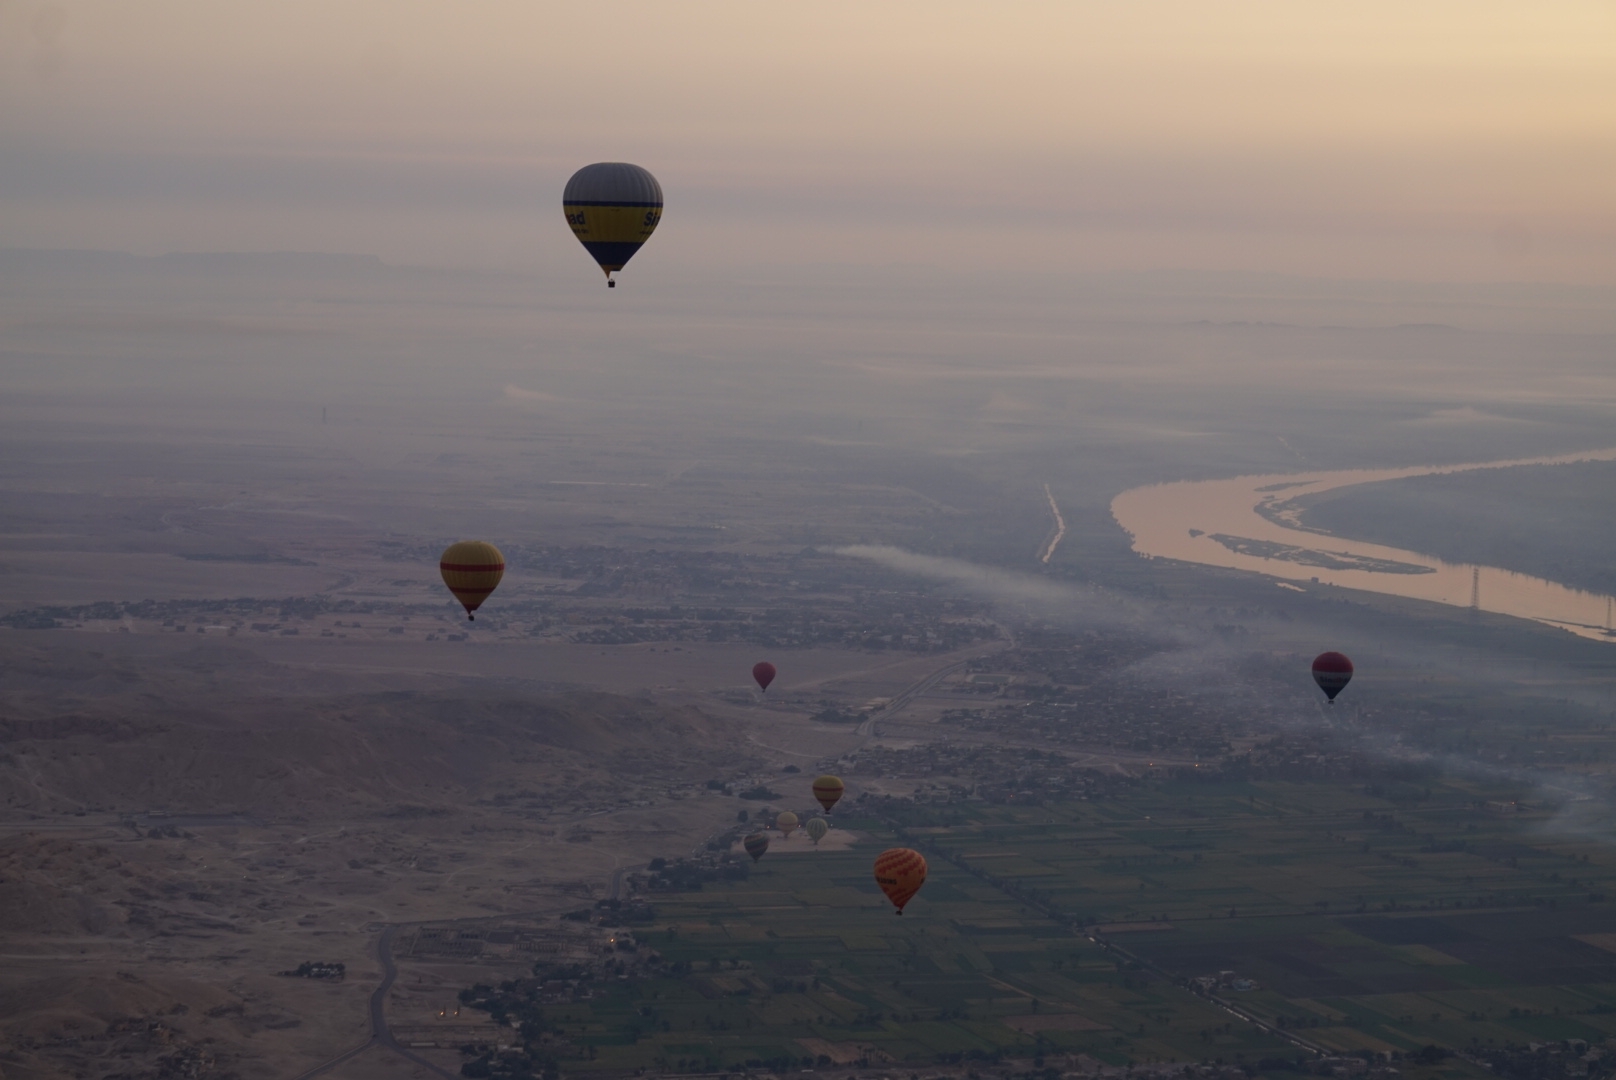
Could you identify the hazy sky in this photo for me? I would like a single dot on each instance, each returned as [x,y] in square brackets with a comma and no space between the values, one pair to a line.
[1444,140]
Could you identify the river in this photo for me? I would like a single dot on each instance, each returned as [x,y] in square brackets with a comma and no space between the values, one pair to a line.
[1245,523]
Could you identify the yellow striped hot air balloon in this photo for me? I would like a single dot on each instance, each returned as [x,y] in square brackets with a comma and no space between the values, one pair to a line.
[785,823]
[471,569]
[816,828]
[612,207]
[828,790]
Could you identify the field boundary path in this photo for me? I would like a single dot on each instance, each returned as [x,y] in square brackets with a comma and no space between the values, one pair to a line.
[380,1034]
[1062,918]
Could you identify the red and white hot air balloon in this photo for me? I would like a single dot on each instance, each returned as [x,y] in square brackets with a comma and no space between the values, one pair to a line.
[1332,671]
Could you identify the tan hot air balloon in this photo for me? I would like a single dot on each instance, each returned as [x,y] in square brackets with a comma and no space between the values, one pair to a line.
[816,829]
[828,790]
[471,569]
[785,823]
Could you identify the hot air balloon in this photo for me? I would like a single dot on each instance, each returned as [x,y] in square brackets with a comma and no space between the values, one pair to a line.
[613,208]
[900,872]
[828,790]
[756,845]
[764,673]
[816,829]
[1332,671]
[471,569]
[785,823]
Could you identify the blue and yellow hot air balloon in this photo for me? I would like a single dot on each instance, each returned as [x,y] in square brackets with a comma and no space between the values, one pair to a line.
[613,207]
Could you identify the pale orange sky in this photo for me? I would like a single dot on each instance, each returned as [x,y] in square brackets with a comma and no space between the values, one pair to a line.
[1455,141]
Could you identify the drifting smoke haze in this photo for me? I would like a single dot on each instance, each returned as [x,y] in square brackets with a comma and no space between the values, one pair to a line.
[1190,657]
[1185,655]
[1028,596]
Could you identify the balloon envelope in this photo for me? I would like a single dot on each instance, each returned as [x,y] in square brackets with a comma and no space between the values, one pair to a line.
[816,829]
[471,569]
[786,822]
[900,872]
[1332,671]
[828,790]
[612,208]
[756,845]
[764,673]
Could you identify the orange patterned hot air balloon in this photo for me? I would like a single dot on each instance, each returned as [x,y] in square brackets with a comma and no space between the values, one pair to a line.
[828,790]
[900,872]
[471,569]
[756,845]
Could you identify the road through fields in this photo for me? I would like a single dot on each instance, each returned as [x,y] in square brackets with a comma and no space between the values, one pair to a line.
[1060,528]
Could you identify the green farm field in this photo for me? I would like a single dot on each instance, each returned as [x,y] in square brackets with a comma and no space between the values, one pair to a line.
[805,960]
[1181,921]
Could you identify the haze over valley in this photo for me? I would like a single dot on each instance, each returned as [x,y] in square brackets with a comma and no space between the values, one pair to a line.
[863,408]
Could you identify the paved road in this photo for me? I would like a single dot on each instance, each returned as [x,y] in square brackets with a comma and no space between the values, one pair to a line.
[380,1034]
[617,880]
[897,704]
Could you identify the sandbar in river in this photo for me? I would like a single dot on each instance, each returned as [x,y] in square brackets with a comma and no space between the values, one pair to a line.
[1244,523]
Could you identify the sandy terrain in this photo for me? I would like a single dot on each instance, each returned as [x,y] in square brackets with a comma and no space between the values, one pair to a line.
[187,815]
[195,797]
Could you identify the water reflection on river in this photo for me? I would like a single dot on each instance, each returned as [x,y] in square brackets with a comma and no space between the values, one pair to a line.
[1245,523]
